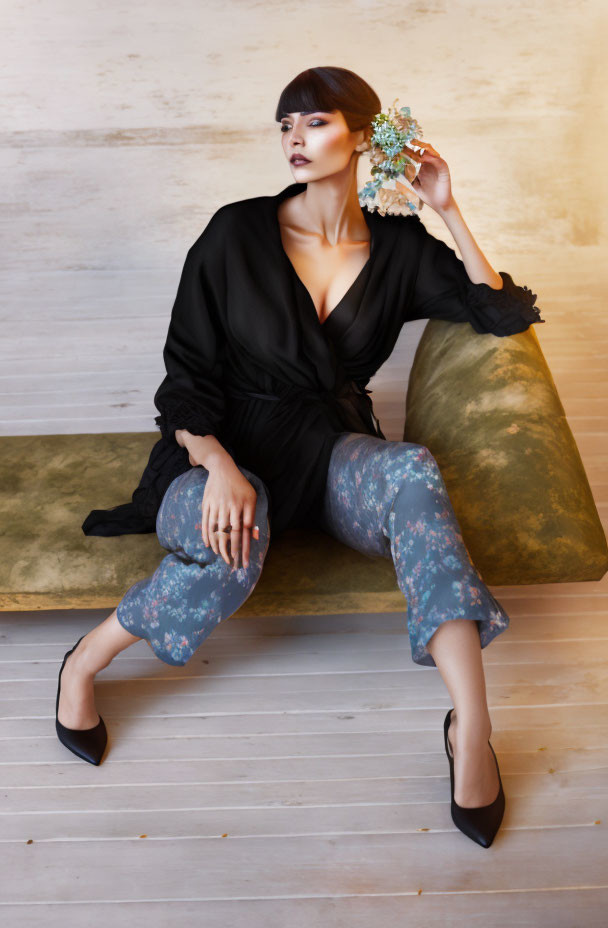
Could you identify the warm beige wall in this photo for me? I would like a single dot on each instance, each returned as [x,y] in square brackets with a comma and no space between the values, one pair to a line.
[127,125]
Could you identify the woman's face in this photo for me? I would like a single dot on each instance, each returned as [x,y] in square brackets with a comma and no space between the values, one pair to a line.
[323,138]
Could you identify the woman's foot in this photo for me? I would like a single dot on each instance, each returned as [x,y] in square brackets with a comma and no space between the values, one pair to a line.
[77,696]
[475,776]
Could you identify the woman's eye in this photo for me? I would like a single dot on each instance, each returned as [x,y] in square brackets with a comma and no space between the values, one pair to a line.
[319,122]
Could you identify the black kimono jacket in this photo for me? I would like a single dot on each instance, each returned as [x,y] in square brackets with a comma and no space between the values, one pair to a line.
[248,360]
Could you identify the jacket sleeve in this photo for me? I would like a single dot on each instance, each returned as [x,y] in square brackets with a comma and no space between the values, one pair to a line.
[443,290]
[191,396]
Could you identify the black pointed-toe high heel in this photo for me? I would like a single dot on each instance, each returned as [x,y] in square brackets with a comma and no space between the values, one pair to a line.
[86,743]
[479,823]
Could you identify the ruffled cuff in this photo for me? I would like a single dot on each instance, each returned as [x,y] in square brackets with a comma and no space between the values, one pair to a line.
[184,415]
[501,312]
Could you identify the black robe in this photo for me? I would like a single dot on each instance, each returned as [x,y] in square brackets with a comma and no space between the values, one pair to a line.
[248,360]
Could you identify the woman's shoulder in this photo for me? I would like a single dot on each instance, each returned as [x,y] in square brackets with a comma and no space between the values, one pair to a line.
[412,232]
[228,223]
[239,209]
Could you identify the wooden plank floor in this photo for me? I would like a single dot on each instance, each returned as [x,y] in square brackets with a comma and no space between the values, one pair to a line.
[294,772]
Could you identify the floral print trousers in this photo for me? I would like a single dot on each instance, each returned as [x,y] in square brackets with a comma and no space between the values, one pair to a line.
[382,498]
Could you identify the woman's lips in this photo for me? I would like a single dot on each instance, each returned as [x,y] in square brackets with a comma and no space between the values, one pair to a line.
[300,161]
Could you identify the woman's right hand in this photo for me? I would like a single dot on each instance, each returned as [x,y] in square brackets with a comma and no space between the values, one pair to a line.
[229,499]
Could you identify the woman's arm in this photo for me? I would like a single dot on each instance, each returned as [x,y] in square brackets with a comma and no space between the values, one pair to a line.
[434,187]
[442,289]
[191,397]
[477,266]
[191,401]
[446,287]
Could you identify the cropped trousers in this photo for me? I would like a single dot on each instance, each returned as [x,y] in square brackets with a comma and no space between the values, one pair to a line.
[382,498]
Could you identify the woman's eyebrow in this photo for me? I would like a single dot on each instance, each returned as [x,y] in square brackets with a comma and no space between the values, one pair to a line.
[305,113]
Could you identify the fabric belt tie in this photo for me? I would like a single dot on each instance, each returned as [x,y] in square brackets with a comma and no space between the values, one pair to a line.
[349,388]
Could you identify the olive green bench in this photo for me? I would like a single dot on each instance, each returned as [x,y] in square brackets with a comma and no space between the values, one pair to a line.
[486,407]
[51,482]
[489,411]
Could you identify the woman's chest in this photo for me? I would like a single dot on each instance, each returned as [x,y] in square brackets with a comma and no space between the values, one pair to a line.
[327,273]
[287,307]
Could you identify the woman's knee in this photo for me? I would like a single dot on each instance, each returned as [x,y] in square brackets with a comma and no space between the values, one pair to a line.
[403,461]
[416,459]
[176,510]
[179,518]
[414,473]
[411,450]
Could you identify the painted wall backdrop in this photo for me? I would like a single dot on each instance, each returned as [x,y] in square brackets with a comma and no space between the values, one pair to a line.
[126,125]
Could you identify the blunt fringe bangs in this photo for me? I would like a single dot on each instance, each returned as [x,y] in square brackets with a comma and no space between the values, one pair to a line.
[329,89]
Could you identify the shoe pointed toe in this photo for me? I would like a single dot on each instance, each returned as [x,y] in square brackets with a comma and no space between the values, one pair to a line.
[87,743]
[480,824]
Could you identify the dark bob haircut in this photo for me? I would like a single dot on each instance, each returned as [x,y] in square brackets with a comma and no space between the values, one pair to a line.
[328,89]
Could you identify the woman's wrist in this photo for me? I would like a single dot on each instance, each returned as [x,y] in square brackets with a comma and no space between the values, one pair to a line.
[205,449]
[451,209]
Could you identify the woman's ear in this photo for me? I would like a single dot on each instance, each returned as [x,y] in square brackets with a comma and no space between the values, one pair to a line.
[365,145]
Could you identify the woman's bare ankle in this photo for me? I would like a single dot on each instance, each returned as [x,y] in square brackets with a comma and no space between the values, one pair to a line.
[100,646]
[85,660]
[471,729]
[476,781]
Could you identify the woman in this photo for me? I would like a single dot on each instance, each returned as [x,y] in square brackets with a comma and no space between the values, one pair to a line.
[286,307]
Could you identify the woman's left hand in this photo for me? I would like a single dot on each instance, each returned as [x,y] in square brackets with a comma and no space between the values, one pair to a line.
[432,184]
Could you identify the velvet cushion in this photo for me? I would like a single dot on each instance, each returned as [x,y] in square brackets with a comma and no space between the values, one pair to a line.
[49,483]
[488,410]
